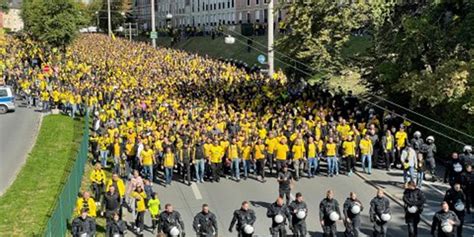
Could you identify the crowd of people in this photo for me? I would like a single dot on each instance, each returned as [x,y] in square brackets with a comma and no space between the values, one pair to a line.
[162,115]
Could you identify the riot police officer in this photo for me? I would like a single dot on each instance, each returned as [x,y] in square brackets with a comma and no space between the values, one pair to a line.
[329,213]
[116,227]
[205,223]
[352,209]
[414,200]
[454,169]
[299,211]
[285,180]
[429,151]
[171,222]
[380,213]
[445,221]
[279,213]
[467,157]
[245,219]
[457,201]
[83,224]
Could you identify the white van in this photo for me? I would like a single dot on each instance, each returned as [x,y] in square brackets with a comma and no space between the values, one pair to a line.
[6,99]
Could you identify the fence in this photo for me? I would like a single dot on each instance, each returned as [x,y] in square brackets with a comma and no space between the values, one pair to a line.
[61,214]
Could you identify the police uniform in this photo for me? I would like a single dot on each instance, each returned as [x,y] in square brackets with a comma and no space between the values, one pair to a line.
[379,206]
[278,229]
[454,170]
[169,220]
[413,198]
[298,225]
[116,227]
[83,226]
[205,224]
[453,197]
[284,188]
[326,207]
[439,218]
[243,217]
[354,226]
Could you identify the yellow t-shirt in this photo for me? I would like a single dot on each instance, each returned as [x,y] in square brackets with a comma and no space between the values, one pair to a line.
[246,151]
[140,200]
[298,152]
[168,160]
[281,151]
[331,149]
[216,154]
[116,149]
[401,138]
[389,143]
[259,152]
[233,151]
[365,146]
[349,148]
[147,157]
[311,150]
[271,143]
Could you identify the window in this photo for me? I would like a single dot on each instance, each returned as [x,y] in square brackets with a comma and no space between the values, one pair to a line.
[257,2]
[233,3]
[248,2]
[3,93]
[228,3]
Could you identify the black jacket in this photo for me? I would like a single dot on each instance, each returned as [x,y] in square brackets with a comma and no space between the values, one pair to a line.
[169,220]
[294,208]
[414,197]
[205,223]
[378,206]
[274,210]
[242,218]
[326,207]
[347,208]
[80,226]
[116,227]
[441,216]
[452,197]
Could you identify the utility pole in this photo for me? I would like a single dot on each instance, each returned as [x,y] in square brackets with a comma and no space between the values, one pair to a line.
[130,30]
[153,40]
[109,18]
[270,38]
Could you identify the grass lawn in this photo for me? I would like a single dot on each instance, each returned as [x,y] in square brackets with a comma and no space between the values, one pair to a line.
[24,208]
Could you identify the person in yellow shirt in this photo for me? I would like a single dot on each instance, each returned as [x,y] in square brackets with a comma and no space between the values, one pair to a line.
[147,159]
[233,153]
[139,195]
[270,143]
[331,156]
[247,162]
[388,146]
[312,156]
[104,143]
[97,178]
[154,206]
[168,164]
[216,154]
[366,150]
[401,138]
[116,154]
[299,158]
[86,202]
[349,154]
[281,153]
[259,157]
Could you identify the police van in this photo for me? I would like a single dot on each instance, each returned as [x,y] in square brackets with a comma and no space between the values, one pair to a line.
[6,99]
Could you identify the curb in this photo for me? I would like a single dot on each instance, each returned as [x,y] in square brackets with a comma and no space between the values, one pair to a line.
[390,196]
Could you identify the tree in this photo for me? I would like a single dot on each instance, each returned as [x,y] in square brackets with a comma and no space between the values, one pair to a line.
[55,22]
[4,7]
[118,8]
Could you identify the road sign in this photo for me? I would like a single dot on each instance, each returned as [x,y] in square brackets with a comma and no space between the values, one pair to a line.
[261,59]
[153,35]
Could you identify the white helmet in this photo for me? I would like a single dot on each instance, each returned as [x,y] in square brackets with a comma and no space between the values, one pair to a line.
[459,206]
[430,138]
[278,218]
[412,209]
[385,217]
[174,231]
[417,134]
[457,167]
[84,235]
[117,235]
[248,229]
[446,227]
[467,148]
[333,216]
[301,214]
[355,209]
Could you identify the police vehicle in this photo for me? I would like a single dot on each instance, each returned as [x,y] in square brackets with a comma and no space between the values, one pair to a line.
[6,99]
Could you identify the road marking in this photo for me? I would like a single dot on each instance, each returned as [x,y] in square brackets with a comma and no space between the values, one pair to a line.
[435,188]
[196,191]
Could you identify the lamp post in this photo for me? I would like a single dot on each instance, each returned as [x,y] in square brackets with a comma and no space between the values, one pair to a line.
[153,26]
[109,18]
[270,38]
[169,17]
[97,15]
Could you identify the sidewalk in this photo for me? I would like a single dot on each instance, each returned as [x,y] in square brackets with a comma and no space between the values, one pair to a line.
[392,183]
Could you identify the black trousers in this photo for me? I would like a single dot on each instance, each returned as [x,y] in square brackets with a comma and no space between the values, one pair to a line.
[350,163]
[389,158]
[270,162]
[285,193]
[299,230]
[412,221]
[261,168]
[140,220]
[98,189]
[278,231]
[330,230]
[186,172]
[216,171]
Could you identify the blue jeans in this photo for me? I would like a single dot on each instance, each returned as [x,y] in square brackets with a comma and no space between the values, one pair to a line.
[103,157]
[168,175]
[199,166]
[235,169]
[333,166]
[410,171]
[312,166]
[369,163]
[247,167]
[419,178]
[148,172]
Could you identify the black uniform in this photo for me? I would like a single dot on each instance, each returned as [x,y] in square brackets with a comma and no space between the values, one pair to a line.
[467,185]
[441,217]
[326,207]
[278,229]
[185,164]
[299,225]
[453,197]
[116,227]
[205,224]
[379,206]
[284,188]
[467,158]
[453,172]
[111,203]
[242,217]
[415,198]
[81,226]
[169,220]
[354,226]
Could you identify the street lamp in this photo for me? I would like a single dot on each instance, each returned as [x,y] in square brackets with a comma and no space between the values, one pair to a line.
[97,15]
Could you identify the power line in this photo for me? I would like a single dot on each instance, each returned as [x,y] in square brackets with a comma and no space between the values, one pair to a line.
[369,102]
[378,97]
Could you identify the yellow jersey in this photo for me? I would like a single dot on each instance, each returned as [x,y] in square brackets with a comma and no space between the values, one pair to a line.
[298,152]
[365,147]
[331,149]
[147,157]
[168,160]
[281,151]
[349,148]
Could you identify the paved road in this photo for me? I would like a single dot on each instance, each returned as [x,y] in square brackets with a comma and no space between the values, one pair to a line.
[226,196]
[17,135]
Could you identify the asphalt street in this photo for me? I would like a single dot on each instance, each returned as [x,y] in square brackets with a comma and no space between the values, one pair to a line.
[18,131]
[226,196]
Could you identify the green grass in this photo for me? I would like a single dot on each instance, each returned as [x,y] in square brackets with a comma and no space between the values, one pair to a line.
[24,208]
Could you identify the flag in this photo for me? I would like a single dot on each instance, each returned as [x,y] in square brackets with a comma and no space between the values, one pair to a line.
[113,36]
